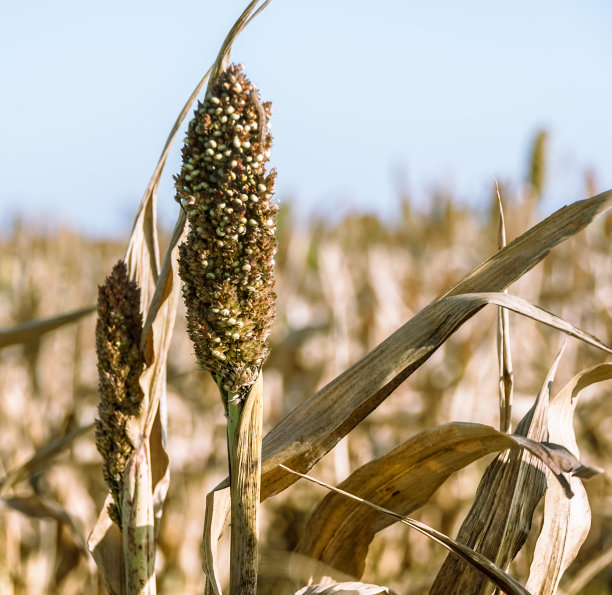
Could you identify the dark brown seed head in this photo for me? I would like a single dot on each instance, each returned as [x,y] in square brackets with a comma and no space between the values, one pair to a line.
[120,363]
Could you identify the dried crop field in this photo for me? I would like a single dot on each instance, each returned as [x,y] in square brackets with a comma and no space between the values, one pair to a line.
[249,403]
[341,290]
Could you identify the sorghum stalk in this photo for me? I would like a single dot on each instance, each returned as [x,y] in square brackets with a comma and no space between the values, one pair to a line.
[226,262]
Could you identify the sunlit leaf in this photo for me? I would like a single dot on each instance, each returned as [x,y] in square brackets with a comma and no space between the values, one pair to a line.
[566,522]
[484,565]
[340,531]
[501,514]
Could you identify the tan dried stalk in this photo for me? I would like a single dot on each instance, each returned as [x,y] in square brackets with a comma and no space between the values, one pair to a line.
[504,353]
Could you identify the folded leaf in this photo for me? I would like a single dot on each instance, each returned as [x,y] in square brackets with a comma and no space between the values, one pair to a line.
[566,522]
[501,515]
[475,559]
[339,531]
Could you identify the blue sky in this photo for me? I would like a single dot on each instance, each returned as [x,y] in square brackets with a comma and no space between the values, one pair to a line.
[439,93]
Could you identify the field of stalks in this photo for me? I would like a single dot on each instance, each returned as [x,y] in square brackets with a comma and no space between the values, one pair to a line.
[342,289]
[433,387]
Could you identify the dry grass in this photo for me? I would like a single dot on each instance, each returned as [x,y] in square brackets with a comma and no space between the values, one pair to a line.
[342,289]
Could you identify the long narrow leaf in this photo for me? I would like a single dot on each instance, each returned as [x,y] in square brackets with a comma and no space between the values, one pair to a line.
[497,576]
[504,352]
[28,331]
[339,532]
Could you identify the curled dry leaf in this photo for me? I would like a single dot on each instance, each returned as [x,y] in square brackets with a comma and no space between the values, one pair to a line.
[501,514]
[566,522]
[340,531]
[480,562]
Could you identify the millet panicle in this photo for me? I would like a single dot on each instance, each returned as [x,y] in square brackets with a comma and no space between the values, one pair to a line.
[120,364]
[226,263]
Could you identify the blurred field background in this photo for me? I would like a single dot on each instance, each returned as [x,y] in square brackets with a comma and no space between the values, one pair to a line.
[343,285]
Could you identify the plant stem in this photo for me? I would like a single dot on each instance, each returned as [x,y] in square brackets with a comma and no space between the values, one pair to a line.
[138,525]
[245,422]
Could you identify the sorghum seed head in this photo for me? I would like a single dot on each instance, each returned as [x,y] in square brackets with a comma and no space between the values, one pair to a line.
[120,363]
[223,257]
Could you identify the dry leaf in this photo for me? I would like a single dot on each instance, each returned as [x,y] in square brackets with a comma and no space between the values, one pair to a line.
[501,515]
[504,353]
[106,547]
[484,565]
[348,588]
[217,512]
[339,531]
[43,457]
[566,522]
[29,331]
[315,427]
